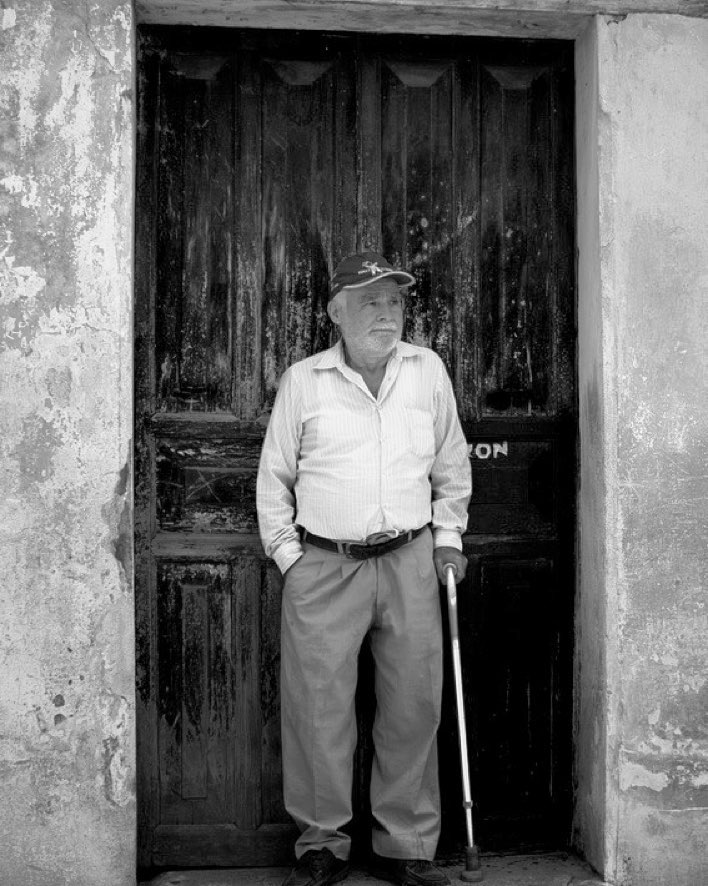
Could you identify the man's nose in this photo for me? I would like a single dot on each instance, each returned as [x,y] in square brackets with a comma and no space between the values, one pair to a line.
[385,311]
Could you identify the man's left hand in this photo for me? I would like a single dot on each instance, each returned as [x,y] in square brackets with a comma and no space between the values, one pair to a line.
[444,555]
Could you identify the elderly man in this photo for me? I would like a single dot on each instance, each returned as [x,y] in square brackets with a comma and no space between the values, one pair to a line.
[362,496]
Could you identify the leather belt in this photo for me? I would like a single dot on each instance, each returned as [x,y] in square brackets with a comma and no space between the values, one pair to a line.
[360,551]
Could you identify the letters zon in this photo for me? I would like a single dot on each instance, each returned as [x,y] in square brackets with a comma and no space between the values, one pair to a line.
[488,450]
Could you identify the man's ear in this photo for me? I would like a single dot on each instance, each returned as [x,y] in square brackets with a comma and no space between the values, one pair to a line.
[334,309]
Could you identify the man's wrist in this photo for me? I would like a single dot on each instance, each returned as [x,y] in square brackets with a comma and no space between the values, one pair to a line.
[447,538]
[287,554]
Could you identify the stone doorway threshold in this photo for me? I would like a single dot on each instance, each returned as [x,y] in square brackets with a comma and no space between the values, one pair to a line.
[547,869]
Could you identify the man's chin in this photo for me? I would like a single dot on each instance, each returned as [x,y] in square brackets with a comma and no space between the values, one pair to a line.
[384,341]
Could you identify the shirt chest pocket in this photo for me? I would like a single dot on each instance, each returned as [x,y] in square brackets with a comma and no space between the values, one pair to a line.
[419,432]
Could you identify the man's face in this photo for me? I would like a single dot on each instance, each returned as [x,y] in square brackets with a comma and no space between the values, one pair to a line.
[371,318]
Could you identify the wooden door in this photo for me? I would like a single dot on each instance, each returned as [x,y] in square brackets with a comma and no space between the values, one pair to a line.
[263,159]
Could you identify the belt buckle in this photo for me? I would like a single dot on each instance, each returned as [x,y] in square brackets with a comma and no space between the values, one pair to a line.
[356,552]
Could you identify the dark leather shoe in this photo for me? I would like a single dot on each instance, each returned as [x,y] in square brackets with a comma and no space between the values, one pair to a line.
[408,871]
[317,867]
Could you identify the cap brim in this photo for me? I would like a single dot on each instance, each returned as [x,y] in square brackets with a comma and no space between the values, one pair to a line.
[402,277]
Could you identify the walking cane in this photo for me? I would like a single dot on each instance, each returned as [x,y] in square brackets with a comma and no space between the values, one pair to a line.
[472,872]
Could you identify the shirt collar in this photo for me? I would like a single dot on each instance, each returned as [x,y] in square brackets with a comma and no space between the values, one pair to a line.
[334,356]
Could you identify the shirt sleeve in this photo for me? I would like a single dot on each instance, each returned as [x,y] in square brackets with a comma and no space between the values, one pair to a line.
[275,500]
[451,475]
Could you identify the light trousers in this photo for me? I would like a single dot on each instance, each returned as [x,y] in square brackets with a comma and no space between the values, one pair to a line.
[330,604]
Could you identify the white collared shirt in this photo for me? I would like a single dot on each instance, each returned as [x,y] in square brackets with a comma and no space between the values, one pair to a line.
[344,464]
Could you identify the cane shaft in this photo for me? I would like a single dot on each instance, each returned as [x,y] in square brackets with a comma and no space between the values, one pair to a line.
[461,722]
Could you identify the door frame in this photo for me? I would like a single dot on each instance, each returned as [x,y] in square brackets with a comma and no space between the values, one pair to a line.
[595,655]
[556,431]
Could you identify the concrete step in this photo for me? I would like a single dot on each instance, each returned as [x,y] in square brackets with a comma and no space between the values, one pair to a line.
[547,869]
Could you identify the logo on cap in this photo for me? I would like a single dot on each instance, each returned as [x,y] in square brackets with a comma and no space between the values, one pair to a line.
[371,266]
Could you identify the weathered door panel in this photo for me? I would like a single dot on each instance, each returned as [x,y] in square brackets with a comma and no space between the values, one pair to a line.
[514,659]
[264,158]
[417,190]
[525,261]
[194,237]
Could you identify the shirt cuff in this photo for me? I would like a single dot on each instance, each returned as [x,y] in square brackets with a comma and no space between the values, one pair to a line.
[447,538]
[287,554]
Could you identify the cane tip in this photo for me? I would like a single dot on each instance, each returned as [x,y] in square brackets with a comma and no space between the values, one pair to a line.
[472,872]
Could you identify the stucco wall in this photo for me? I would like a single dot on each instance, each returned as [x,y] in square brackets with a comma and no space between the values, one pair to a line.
[642,678]
[67,806]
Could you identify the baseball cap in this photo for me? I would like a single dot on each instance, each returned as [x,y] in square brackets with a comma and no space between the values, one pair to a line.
[362,268]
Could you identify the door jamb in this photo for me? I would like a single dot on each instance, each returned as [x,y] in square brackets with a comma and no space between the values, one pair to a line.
[590,832]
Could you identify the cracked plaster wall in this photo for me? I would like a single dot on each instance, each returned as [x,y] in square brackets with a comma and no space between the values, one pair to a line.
[642,814]
[67,811]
